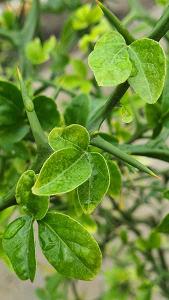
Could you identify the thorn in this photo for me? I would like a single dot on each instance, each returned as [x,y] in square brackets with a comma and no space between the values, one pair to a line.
[155,175]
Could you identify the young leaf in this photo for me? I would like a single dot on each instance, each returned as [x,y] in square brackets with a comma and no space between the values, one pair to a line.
[69,248]
[147,78]
[110,60]
[92,191]
[33,205]
[74,136]
[62,172]
[164,225]
[45,106]
[18,243]
[73,113]
[115,179]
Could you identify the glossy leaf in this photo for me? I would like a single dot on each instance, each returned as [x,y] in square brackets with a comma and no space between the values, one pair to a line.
[45,106]
[36,206]
[73,112]
[148,75]
[74,136]
[18,243]
[91,192]
[110,60]
[62,172]
[115,179]
[69,247]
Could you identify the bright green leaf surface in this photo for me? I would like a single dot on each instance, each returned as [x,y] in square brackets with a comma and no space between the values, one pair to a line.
[110,60]
[37,206]
[115,179]
[62,172]
[18,243]
[69,247]
[92,191]
[147,78]
[74,136]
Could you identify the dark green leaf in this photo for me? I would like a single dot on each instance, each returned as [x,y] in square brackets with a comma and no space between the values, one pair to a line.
[77,111]
[18,243]
[47,112]
[164,225]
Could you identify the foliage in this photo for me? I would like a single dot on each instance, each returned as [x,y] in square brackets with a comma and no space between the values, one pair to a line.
[78,112]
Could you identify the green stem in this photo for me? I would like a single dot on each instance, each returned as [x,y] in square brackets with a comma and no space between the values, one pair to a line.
[38,133]
[162,26]
[143,150]
[98,118]
[117,24]
[106,146]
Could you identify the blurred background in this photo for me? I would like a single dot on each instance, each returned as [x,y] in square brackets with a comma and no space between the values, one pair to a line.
[53,16]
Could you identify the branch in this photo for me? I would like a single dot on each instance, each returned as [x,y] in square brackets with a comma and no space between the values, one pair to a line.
[162,26]
[117,24]
[106,146]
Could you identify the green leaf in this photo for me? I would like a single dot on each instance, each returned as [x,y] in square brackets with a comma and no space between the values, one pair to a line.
[45,106]
[74,136]
[110,60]
[79,67]
[153,114]
[165,99]
[164,225]
[12,127]
[35,52]
[126,113]
[166,194]
[13,134]
[62,172]
[69,248]
[115,179]
[92,191]
[85,16]
[147,78]
[73,113]
[18,243]
[88,223]
[54,288]
[10,112]
[34,205]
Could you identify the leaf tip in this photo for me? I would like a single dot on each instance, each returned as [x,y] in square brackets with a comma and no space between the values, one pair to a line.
[155,175]
[19,73]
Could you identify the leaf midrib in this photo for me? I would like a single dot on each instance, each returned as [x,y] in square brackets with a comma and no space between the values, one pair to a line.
[64,242]
[142,70]
[61,174]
